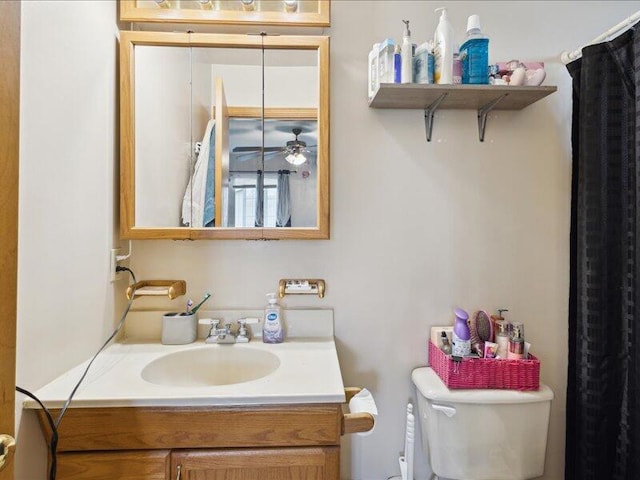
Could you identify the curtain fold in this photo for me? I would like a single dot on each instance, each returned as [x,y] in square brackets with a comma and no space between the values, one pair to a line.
[603,384]
[283,216]
[259,220]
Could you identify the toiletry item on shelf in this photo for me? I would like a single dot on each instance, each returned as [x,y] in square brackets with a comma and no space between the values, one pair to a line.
[527,348]
[502,338]
[445,346]
[423,63]
[385,61]
[407,55]
[372,86]
[273,327]
[516,341]
[461,336]
[490,349]
[518,77]
[474,53]
[457,69]
[397,65]
[443,49]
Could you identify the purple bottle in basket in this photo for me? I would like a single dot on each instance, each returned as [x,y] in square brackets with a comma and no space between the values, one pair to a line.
[461,335]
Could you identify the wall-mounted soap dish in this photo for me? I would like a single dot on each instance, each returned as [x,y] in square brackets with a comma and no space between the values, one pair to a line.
[300,286]
[168,288]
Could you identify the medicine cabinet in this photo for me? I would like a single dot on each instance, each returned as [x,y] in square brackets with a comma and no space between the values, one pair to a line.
[224,136]
[313,13]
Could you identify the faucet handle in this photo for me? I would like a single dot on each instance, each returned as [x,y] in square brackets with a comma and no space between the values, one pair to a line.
[212,322]
[243,334]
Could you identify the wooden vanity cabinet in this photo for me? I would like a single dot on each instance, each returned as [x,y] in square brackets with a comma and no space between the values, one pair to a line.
[276,442]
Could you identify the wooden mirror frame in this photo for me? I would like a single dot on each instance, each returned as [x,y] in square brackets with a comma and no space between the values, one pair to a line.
[131,12]
[128,229]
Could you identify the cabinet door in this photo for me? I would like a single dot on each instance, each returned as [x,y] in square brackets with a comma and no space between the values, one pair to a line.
[132,465]
[316,463]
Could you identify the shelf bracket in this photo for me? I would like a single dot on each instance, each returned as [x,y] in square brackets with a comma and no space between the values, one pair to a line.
[429,113]
[483,112]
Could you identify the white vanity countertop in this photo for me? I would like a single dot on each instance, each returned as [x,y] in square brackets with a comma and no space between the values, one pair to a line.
[309,372]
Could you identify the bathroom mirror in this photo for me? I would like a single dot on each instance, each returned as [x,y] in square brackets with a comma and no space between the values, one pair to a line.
[224,136]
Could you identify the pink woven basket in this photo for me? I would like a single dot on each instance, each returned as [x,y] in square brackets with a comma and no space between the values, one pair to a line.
[485,373]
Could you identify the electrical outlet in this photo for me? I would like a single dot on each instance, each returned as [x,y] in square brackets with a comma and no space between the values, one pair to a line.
[113,264]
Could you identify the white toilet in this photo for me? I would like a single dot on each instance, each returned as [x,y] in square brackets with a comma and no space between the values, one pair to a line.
[482,434]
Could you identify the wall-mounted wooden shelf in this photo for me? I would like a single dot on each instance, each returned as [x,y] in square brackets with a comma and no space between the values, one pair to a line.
[482,98]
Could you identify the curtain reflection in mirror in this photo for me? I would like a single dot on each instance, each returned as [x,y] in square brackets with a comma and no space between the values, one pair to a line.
[198,203]
[283,218]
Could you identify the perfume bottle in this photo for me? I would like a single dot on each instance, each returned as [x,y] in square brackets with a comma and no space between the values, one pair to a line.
[516,341]
[502,338]
[446,346]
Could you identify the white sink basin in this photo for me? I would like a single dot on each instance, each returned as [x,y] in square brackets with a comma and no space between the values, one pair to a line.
[211,365]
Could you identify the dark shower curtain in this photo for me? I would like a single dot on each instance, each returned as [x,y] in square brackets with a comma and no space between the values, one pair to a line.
[603,385]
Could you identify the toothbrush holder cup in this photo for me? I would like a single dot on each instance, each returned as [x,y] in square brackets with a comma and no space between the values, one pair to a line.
[179,328]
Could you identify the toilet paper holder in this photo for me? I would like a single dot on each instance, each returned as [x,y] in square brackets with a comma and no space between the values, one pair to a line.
[355,422]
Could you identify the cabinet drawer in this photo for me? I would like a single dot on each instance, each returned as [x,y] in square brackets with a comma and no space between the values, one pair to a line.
[132,465]
[140,428]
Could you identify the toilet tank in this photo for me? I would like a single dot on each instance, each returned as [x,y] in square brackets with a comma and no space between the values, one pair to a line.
[482,434]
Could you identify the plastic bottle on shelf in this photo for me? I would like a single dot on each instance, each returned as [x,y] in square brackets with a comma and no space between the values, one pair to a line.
[397,65]
[385,61]
[461,335]
[474,53]
[373,84]
[406,55]
[443,49]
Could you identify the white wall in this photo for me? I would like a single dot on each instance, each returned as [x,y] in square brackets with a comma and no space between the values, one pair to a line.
[417,228]
[68,155]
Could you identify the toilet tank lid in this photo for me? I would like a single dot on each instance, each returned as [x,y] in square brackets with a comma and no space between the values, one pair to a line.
[430,386]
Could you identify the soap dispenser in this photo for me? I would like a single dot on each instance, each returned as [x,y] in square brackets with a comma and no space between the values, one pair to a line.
[406,54]
[272,328]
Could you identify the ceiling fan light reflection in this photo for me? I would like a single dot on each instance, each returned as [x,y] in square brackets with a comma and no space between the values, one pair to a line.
[296,159]
[291,6]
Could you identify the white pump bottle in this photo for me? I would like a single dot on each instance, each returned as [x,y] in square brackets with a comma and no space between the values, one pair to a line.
[406,55]
[443,49]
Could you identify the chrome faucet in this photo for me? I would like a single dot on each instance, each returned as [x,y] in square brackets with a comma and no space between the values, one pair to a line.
[226,335]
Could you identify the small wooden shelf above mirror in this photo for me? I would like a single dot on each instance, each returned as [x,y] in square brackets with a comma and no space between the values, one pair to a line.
[301,13]
[482,98]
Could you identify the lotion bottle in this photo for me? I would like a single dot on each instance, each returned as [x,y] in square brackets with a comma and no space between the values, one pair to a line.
[502,338]
[443,49]
[406,55]
[272,328]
